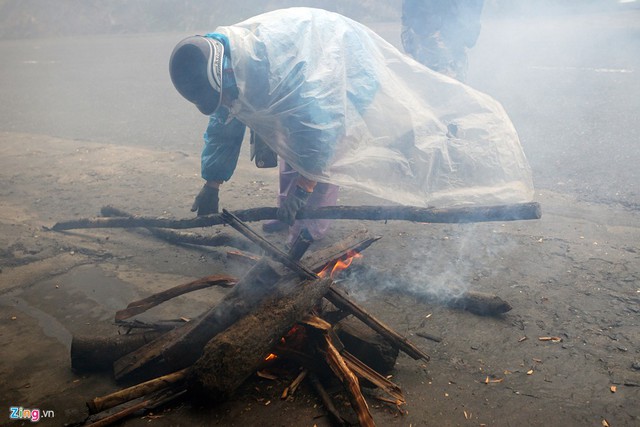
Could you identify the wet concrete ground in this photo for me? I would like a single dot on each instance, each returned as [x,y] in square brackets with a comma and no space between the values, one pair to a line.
[91,122]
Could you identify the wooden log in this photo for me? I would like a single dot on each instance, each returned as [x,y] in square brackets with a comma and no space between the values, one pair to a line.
[335,296]
[182,238]
[92,354]
[145,304]
[120,415]
[235,354]
[182,346]
[480,303]
[128,394]
[515,212]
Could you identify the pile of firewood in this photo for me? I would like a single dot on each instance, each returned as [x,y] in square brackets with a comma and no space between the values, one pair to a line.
[213,354]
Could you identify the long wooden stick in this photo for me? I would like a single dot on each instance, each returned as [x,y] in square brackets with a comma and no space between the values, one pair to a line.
[515,212]
[109,420]
[152,402]
[185,238]
[103,403]
[145,304]
[273,252]
[338,298]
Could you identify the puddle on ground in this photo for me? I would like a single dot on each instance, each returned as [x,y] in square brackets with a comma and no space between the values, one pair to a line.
[50,326]
[79,301]
[92,282]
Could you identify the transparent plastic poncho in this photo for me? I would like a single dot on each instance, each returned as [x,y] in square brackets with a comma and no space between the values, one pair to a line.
[343,106]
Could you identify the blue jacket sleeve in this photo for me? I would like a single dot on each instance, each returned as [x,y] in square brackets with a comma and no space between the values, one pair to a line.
[222,142]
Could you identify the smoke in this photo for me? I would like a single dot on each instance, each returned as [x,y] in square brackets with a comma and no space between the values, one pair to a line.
[567,77]
[440,267]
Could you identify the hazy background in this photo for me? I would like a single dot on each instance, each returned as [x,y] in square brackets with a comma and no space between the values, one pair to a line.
[566,72]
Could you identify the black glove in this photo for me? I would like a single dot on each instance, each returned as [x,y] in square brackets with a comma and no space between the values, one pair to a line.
[295,200]
[206,201]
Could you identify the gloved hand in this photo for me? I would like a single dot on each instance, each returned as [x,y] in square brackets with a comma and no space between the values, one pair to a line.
[294,201]
[206,201]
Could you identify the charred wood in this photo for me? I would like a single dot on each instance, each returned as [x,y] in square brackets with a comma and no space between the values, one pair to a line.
[182,346]
[235,354]
[151,402]
[368,346]
[91,354]
[482,304]
[335,296]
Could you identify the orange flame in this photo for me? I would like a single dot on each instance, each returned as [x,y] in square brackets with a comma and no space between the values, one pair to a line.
[339,265]
[270,357]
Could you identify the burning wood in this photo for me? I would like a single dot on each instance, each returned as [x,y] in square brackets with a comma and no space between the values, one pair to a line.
[232,356]
[216,352]
[350,381]
[182,346]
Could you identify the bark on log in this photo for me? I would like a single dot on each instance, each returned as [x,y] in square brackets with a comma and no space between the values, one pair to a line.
[515,212]
[91,354]
[182,346]
[235,354]
[335,296]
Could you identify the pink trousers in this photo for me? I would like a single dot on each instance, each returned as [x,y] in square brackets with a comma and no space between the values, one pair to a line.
[323,195]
